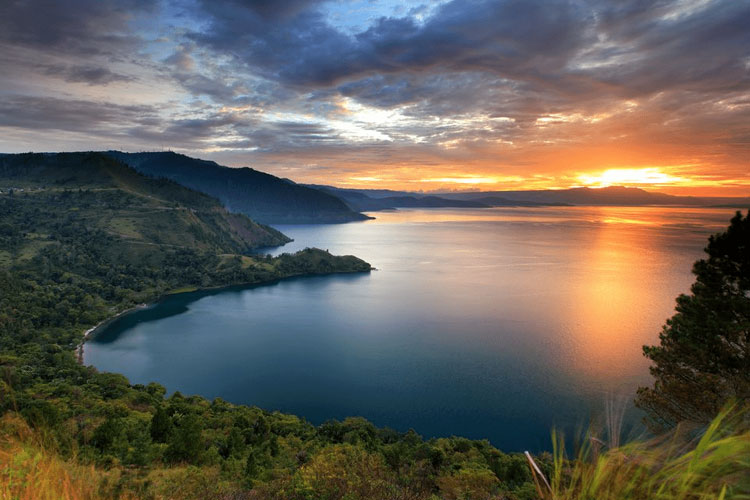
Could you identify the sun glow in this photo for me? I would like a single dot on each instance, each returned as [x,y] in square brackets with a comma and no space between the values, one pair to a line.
[630,176]
[678,179]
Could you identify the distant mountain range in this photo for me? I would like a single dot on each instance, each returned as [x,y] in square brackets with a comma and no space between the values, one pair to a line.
[614,195]
[260,196]
[272,200]
[368,200]
[381,199]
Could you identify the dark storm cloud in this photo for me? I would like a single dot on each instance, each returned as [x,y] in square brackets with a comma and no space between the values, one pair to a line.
[705,51]
[287,135]
[440,94]
[70,26]
[76,41]
[274,9]
[90,74]
[48,113]
[517,53]
[565,51]
[146,124]
[517,38]
[285,78]
[215,87]
[184,132]
[220,85]
[241,29]
[236,130]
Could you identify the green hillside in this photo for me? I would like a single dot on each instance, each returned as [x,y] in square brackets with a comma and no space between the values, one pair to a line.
[83,236]
[259,195]
[101,193]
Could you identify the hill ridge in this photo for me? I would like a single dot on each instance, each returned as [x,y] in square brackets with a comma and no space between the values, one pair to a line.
[259,195]
[135,207]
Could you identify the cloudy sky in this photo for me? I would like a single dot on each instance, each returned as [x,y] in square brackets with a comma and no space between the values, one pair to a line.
[462,94]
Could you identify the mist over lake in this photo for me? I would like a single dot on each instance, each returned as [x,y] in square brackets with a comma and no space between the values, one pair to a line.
[493,323]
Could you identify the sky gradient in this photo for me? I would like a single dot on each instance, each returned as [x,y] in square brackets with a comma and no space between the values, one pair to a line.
[444,95]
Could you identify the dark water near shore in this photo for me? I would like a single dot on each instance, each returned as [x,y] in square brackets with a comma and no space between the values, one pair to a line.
[497,323]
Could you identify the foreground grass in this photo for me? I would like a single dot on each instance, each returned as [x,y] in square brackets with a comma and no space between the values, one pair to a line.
[713,463]
[687,464]
[29,471]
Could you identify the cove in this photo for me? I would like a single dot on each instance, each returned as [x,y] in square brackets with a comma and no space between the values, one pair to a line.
[491,324]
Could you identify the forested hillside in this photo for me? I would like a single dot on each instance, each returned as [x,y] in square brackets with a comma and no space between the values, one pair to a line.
[261,196]
[103,194]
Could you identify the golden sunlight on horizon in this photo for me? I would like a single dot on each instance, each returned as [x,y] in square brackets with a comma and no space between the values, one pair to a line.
[666,179]
[631,177]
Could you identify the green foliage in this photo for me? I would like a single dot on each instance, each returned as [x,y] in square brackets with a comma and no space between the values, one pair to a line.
[161,426]
[703,359]
[185,441]
[235,444]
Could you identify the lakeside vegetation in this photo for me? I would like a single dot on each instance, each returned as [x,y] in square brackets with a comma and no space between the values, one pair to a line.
[68,431]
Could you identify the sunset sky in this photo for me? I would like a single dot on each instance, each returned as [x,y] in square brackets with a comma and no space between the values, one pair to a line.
[415,95]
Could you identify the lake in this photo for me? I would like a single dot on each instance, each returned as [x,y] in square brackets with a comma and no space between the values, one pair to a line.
[495,323]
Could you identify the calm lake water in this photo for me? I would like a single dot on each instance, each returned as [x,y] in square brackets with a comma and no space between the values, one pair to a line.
[496,323]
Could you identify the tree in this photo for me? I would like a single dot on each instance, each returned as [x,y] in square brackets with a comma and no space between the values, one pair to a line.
[185,443]
[105,435]
[703,360]
[235,444]
[161,425]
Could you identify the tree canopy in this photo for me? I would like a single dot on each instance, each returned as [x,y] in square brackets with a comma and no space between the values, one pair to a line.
[703,360]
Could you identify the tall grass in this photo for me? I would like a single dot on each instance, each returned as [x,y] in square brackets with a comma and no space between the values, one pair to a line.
[710,463]
[29,471]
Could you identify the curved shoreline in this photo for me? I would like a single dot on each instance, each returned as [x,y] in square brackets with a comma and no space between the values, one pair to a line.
[102,324]
[88,334]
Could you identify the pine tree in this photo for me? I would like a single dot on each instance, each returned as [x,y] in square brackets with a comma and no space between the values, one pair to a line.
[161,425]
[703,360]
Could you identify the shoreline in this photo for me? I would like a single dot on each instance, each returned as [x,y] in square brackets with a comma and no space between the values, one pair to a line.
[88,334]
[105,322]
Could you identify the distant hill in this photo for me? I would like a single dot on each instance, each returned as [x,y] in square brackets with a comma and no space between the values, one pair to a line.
[500,201]
[614,195]
[362,202]
[108,195]
[377,199]
[365,200]
[428,202]
[369,193]
[258,195]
